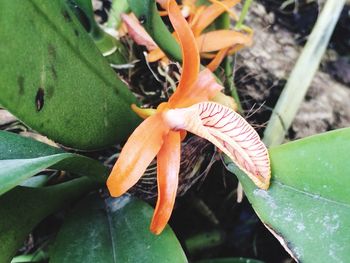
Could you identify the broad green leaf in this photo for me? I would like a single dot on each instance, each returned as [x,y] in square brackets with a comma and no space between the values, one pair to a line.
[307,206]
[147,13]
[56,81]
[229,260]
[114,230]
[22,208]
[21,158]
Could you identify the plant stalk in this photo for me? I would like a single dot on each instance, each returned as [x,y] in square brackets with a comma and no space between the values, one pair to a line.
[244,12]
[302,74]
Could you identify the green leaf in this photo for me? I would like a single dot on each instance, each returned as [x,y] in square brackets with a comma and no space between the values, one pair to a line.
[36,181]
[39,256]
[23,208]
[115,230]
[229,260]
[56,81]
[307,206]
[147,12]
[108,45]
[118,7]
[21,158]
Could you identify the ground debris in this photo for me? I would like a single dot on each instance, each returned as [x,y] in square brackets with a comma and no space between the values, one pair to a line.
[263,70]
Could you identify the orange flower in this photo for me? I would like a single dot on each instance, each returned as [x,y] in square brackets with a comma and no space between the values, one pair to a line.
[188,109]
[199,19]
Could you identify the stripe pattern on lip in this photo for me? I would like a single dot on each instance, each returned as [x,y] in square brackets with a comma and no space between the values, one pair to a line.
[228,131]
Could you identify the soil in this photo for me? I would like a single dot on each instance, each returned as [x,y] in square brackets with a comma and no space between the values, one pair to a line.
[263,70]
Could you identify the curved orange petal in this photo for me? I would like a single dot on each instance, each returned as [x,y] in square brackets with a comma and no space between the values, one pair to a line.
[190,55]
[219,57]
[137,32]
[168,167]
[155,55]
[203,89]
[230,132]
[234,49]
[232,14]
[196,15]
[208,55]
[210,14]
[138,152]
[208,42]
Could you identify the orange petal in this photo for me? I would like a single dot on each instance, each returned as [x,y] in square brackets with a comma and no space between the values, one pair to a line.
[234,49]
[196,15]
[230,133]
[138,152]
[168,167]
[215,63]
[227,9]
[137,32]
[208,42]
[208,55]
[210,14]
[203,89]
[190,55]
[163,13]
[155,55]
[162,3]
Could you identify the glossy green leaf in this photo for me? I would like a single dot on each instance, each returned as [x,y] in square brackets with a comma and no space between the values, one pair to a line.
[147,13]
[307,206]
[115,230]
[21,158]
[56,81]
[229,260]
[22,208]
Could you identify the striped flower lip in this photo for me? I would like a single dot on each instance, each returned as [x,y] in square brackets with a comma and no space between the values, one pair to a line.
[188,109]
[228,131]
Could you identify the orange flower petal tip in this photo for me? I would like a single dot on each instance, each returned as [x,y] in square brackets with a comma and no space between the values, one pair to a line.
[156,229]
[113,187]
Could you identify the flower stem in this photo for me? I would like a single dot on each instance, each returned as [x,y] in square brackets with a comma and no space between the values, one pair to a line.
[302,74]
[244,12]
[224,23]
